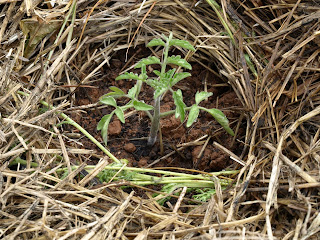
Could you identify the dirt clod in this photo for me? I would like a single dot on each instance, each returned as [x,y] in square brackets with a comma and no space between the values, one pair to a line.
[143,162]
[172,127]
[114,128]
[130,147]
[210,158]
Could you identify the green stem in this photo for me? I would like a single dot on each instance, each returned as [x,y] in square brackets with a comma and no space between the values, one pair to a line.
[213,4]
[187,183]
[164,114]
[162,172]
[76,125]
[155,123]
[189,180]
[165,55]
[140,178]
[72,10]
[178,176]
[19,160]
[156,112]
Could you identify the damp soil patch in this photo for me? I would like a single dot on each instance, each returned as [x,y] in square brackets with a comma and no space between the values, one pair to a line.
[177,146]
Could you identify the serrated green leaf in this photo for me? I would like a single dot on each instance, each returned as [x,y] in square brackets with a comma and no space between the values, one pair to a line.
[180,106]
[178,77]
[162,87]
[221,119]
[152,83]
[120,114]
[165,37]
[143,76]
[141,106]
[169,74]
[108,100]
[156,42]
[177,60]
[159,92]
[118,91]
[147,61]
[182,43]
[132,92]
[193,115]
[163,84]
[156,72]
[105,119]
[179,93]
[127,75]
[200,96]
[159,87]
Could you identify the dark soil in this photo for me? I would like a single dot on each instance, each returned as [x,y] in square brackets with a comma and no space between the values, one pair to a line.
[129,140]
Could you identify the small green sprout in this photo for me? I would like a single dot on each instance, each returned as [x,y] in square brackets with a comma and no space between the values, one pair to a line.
[164,82]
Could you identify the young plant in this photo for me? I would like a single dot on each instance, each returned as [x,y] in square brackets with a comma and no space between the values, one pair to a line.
[164,81]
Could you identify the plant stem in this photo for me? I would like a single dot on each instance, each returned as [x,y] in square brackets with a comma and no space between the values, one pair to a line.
[156,113]
[88,135]
[163,172]
[19,160]
[76,125]
[155,122]
[141,171]
[141,178]
[164,114]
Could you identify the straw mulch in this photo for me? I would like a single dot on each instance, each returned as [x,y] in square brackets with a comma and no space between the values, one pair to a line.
[268,51]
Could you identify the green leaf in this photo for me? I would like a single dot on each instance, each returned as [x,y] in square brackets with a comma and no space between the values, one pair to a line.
[177,60]
[148,61]
[200,96]
[159,86]
[156,42]
[221,119]
[168,75]
[119,114]
[180,106]
[162,87]
[153,83]
[103,126]
[104,133]
[132,92]
[105,99]
[159,92]
[141,106]
[104,119]
[193,115]
[143,76]
[127,75]
[117,90]
[179,76]
[156,72]
[182,43]
[113,94]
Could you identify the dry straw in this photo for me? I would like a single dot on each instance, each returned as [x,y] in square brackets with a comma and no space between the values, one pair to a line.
[266,50]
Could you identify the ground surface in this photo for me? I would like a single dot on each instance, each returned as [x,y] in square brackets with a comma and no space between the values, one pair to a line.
[129,140]
[265,55]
